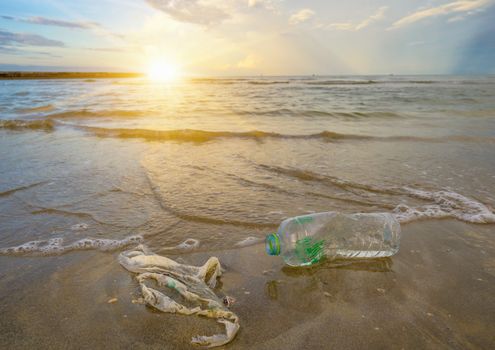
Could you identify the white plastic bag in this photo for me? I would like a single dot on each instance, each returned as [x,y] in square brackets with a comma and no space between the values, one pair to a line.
[191,282]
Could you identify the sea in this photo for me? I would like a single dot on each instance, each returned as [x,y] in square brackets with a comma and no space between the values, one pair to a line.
[216,163]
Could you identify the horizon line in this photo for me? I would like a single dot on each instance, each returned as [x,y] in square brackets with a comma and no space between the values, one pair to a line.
[19,75]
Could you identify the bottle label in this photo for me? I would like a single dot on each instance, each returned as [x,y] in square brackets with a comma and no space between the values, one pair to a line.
[308,250]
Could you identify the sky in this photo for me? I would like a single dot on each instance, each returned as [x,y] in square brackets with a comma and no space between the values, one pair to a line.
[250,37]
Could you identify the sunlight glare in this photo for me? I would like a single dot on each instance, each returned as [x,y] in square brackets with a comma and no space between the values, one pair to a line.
[163,71]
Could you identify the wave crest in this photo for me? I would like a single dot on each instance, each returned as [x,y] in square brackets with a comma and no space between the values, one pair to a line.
[55,246]
[13,124]
[199,136]
[88,114]
[44,108]
[446,204]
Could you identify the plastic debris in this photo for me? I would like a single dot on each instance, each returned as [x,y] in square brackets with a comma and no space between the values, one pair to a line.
[228,301]
[190,282]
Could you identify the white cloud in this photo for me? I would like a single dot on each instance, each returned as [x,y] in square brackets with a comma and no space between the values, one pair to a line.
[191,11]
[378,15]
[53,22]
[341,26]
[10,38]
[452,7]
[97,28]
[349,26]
[301,16]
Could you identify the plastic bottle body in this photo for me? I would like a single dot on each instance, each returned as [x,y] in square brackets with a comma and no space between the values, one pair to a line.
[304,240]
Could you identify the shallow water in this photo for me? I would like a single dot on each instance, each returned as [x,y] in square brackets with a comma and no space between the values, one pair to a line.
[219,160]
[213,164]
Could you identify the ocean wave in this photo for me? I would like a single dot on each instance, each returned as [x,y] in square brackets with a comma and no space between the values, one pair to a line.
[55,246]
[193,135]
[339,82]
[306,175]
[88,114]
[185,135]
[45,124]
[320,113]
[367,115]
[267,82]
[226,81]
[311,81]
[20,188]
[440,204]
[199,136]
[399,81]
[445,204]
[44,108]
[251,81]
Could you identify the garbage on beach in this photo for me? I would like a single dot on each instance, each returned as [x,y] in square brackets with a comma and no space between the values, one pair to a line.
[193,283]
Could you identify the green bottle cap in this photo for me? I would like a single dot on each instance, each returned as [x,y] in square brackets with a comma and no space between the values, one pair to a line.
[272,244]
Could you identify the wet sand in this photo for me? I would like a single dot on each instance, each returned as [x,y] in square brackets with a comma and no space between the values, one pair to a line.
[437,292]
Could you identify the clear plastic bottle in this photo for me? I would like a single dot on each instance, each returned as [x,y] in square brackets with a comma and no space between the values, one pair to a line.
[305,240]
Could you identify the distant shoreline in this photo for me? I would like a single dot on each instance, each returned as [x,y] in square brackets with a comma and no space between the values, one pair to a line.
[15,75]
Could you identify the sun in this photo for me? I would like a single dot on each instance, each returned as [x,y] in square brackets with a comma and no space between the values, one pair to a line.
[163,71]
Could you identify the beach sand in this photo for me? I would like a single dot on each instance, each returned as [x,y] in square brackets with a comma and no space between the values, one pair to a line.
[437,292]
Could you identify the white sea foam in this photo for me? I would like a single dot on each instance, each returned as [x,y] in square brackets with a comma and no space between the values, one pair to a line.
[446,204]
[79,227]
[56,246]
[188,244]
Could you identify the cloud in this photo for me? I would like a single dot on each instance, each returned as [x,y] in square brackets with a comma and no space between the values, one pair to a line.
[191,11]
[59,23]
[301,16]
[270,5]
[9,50]
[97,28]
[34,54]
[255,3]
[53,22]
[446,9]
[10,44]
[10,38]
[348,26]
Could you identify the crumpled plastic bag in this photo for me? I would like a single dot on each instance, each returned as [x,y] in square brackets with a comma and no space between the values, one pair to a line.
[192,283]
